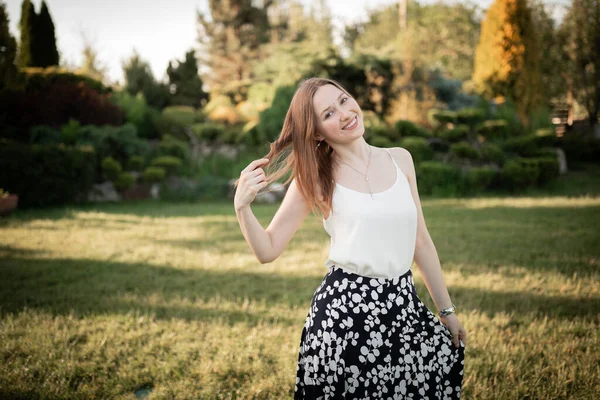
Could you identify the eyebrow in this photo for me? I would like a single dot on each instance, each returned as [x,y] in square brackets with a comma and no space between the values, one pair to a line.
[341,94]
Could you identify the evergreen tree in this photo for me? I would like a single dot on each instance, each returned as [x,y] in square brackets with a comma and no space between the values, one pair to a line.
[185,84]
[231,40]
[27,27]
[507,58]
[139,79]
[8,51]
[44,48]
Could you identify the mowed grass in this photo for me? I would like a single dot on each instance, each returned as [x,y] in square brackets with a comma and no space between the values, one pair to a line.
[106,301]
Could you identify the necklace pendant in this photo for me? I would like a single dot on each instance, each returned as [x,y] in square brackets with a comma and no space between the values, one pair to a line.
[367,179]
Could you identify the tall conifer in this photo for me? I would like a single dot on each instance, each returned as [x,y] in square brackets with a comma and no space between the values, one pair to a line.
[8,51]
[26,27]
[44,45]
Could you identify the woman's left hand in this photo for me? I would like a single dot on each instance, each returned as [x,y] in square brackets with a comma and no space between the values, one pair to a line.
[456,329]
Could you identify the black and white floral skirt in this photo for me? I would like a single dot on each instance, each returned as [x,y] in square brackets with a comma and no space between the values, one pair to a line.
[373,338]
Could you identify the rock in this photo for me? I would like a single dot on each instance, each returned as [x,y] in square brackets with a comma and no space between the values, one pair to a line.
[155,191]
[104,192]
[279,189]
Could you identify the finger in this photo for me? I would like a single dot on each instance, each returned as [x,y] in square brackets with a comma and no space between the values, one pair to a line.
[257,179]
[455,339]
[255,173]
[463,337]
[255,164]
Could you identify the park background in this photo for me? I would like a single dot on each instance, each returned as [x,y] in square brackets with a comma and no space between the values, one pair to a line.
[123,272]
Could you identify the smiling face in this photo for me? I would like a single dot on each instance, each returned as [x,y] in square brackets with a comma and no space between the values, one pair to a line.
[339,118]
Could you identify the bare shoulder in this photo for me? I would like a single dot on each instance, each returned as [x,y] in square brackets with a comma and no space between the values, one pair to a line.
[404,160]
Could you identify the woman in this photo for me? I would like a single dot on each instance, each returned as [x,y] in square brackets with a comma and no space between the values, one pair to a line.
[367,334]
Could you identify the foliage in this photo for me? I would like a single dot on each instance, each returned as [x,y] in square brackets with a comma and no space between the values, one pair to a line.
[470,116]
[464,150]
[26,56]
[519,173]
[435,177]
[170,164]
[111,168]
[171,146]
[209,131]
[135,163]
[493,129]
[507,59]
[581,43]
[154,174]
[42,134]
[70,132]
[182,115]
[185,84]
[418,148]
[139,79]
[457,133]
[408,128]
[138,112]
[271,119]
[44,44]
[124,181]
[8,52]
[492,152]
[478,179]
[44,175]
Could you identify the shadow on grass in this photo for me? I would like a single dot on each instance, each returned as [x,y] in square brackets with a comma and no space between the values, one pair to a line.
[62,286]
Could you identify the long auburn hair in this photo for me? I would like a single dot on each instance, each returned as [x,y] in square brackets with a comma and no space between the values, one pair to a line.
[296,149]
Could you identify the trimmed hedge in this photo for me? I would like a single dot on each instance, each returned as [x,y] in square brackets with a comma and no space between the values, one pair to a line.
[154,174]
[418,148]
[170,164]
[407,128]
[46,175]
[465,150]
[435,177]
[459,132]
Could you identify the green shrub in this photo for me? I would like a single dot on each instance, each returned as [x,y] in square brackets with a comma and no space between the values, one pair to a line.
[444,116]
[579,148]
[545,137]
[138,112]
[519,173]
[380,141]
[492,152]
[135,163]
[455,134]
[70,132]
[436,178]
[525,145]
[549,169]
[111,168]
[479,178]
[154,174]
[171,164]
[470,116]
[171,146]
[418,148]
[125,181]
[406,128]
[493,129]
[209,131]
[212,188]
[271,119]
[182,115]
[465,150]
[44,175]
[42,134]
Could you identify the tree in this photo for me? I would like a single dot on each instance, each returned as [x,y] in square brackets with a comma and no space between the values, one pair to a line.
[581,33]
[507,58]
[231,39]
[185,84]
[8,51]
[26,27]
[139,79]
[44,43]
[91,65]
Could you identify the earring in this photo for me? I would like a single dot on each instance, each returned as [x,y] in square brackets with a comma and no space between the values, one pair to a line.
[318,145]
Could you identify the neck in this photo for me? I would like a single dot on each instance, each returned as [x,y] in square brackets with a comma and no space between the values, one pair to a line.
[356,153]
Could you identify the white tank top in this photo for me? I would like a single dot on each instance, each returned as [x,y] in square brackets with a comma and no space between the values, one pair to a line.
[373,237]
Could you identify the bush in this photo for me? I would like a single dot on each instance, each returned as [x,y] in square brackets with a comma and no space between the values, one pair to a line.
[139,113]
[170,164]
[435,177]
[470,116]
[209,131]
[459,132]
[525,145]
[111,168]
[418,148]
[549,169]
[465,150]
[70,132]
[135,163]
[125,181]
[44,175]
[579,148]
[492,152]
[380,141]
[444,116]
[182,115]
[479,178]
[154,175]
[408,128]
[520,173]
[212,188]
[271,119]
[493,129]
[221,109]
[171,146]
[43,134]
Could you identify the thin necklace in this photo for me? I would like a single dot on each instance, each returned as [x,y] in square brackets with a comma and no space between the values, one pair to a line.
[365,174]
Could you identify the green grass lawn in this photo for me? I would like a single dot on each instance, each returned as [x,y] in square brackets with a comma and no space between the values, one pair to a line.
[103,301]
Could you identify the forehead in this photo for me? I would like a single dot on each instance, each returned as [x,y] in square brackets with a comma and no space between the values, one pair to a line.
[325,96]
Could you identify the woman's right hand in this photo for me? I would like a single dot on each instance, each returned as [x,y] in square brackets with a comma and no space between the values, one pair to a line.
[252,179]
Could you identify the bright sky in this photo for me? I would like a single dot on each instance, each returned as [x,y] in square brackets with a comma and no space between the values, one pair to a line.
[159,30]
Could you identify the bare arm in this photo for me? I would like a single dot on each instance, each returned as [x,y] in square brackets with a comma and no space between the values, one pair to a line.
[426,255]
[268,244]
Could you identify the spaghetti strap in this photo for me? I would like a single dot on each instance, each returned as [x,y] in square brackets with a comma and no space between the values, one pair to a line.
[394,161]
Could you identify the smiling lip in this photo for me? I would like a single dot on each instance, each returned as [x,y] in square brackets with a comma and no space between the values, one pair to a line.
[351,125]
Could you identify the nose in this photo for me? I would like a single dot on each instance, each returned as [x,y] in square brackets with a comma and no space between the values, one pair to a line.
[346,114]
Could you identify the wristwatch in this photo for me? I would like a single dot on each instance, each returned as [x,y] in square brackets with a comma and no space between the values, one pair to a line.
[448,311]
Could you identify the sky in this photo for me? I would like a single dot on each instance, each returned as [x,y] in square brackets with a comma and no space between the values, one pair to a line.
[160,31]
